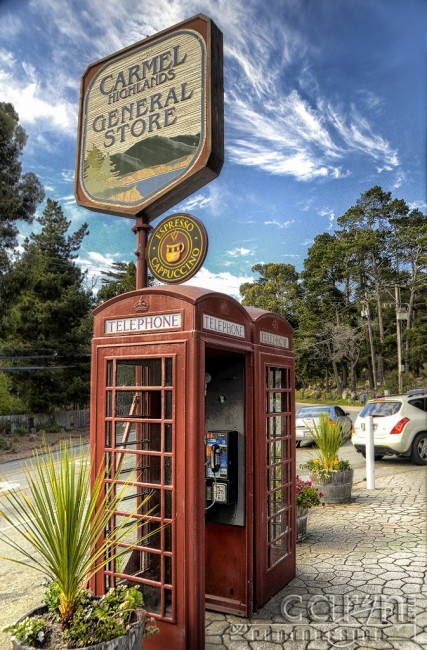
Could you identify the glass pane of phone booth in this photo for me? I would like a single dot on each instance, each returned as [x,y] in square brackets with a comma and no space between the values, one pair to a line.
[139,421]
[279,464]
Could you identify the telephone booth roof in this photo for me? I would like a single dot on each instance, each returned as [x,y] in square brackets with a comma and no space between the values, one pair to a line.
[269,328]
[187,293]
[195,308]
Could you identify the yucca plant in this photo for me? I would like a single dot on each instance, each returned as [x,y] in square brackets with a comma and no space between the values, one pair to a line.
[60,523]
[328,436]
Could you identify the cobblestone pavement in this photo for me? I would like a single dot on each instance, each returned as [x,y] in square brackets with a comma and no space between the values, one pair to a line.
[360,583]
[360,580]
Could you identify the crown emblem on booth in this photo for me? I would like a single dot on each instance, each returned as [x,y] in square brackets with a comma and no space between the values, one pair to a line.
[275,325]
[141,305]
[224,308]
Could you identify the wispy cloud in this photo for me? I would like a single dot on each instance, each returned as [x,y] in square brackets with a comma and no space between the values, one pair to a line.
[224,282]
[330,215]
[196,202]
[96,264]
[239,252]
[68,175]
[417,205]
[279,117]
[28,98]
[298,131]
[358,135]
[280,224]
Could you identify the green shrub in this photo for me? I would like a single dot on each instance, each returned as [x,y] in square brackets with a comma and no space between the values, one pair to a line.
[30,632]
[5,427]
[328,436]
[99,620]
[58,524]
[20,431]
[52,427]
[5,444]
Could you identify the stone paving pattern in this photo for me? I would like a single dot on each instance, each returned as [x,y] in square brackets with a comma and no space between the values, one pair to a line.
[360,582]
[357,561]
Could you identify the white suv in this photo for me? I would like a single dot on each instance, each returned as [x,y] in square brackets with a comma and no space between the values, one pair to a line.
[400,426]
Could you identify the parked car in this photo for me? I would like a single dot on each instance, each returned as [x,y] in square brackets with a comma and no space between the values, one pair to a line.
[308,416]
[400,426]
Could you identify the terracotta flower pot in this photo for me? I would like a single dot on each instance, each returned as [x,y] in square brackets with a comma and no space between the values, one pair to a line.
[301,523]
[335,488]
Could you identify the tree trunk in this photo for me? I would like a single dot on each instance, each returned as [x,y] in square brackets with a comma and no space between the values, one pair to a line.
[337,378]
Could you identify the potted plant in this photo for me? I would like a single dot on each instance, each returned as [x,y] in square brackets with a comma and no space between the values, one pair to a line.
[306,497]
[328,473]
[58,529]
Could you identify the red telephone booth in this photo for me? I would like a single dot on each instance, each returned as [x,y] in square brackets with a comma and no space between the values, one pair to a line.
[189,387]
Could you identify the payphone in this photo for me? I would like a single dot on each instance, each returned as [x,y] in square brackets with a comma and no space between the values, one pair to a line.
[221,468]
[225,439]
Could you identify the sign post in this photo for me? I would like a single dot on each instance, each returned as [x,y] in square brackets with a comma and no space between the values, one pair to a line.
[370,461]
[141,229]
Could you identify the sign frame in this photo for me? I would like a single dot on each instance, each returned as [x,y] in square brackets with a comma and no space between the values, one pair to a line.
[206,165]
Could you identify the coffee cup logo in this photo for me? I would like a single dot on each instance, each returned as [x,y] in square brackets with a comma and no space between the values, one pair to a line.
[173,252]
[177,248]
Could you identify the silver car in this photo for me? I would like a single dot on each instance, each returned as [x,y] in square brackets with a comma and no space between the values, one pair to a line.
[309,416]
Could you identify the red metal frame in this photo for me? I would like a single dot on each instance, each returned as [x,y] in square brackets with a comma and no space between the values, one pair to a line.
[134,408]
[125,440]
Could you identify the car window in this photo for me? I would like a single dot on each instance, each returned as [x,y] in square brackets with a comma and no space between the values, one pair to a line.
[339,411]
[381,409]
[419,403]
[314,412]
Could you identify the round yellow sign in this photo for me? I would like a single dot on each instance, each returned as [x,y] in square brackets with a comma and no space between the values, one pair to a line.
[177,248]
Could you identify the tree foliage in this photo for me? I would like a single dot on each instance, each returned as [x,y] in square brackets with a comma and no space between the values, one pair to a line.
[344,305]
[277,290]
[19,193]
[120,279]
[47,315]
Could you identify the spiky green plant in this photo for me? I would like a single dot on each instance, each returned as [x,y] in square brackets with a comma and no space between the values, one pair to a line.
[328,436]
[60,524]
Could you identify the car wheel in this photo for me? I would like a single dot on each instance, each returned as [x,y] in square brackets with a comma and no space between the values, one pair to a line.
[419,449]
[298,443]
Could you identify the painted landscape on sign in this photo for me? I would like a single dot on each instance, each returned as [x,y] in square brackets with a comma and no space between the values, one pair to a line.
[141,170]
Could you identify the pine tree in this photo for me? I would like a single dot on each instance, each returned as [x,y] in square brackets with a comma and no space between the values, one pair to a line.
[19,193]
[49,313]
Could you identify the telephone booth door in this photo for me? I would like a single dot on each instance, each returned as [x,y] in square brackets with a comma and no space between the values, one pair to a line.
[274,492]
[143,434]
[274,443]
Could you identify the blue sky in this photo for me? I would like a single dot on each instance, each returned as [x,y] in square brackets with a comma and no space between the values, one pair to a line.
[323,100]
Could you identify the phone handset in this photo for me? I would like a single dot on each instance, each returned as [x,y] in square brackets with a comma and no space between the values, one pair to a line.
[215,458]
[221,467]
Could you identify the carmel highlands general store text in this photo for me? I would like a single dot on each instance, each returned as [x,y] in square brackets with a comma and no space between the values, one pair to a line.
[143,116]
[129,82]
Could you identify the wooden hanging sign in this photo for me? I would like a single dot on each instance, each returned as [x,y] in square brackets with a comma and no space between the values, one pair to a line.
[151,122]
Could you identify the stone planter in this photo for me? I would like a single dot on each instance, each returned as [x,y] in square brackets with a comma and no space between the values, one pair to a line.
[301,523]
[132,640]
[335,488]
